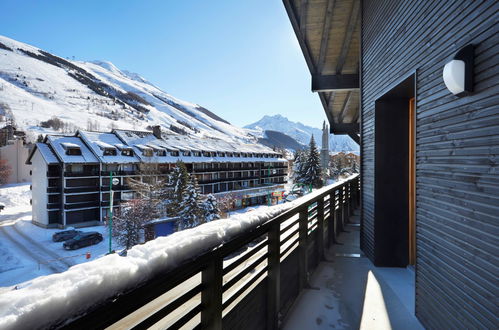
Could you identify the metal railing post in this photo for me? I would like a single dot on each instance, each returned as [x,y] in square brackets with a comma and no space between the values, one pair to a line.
[320,229]
[302,249]
[211,296]
[274,276]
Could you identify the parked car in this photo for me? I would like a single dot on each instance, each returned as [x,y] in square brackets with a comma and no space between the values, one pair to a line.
[65,235]
[291,197]
[83,239]
[2,207]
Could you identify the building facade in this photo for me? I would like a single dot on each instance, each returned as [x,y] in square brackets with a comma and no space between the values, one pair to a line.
[430,190]
[71,174]
[15,152]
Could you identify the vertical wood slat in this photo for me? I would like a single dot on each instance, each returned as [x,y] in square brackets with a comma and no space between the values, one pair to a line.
[332,218]
[345,207]
[274,276]
[341,210]
[211,296]
[320,229]
[302,248]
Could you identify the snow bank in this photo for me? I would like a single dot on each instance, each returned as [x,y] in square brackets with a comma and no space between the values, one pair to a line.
[53,298]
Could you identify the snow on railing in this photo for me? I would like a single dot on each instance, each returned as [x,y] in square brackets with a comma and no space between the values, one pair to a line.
[51,299]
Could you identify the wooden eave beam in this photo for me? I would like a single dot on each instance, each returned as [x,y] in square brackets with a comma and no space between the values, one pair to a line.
[345,128]
[303,17]
[346,104]
[295,23]
[325,35]
[352,22]
[355,137]
[335,82]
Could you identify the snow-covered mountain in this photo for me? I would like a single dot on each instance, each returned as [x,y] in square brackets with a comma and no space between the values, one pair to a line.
[36,86]
[302,133]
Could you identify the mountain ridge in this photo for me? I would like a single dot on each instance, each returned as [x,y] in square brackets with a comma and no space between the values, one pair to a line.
[36,86]
[301,133]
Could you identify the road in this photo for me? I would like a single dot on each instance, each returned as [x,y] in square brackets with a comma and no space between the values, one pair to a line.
[33,249]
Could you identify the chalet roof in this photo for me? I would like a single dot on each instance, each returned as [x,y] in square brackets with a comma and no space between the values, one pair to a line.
[328,32]
[61,143]
[99,142]
[47,154]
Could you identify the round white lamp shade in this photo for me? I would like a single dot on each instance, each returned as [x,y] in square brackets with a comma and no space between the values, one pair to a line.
[454,76]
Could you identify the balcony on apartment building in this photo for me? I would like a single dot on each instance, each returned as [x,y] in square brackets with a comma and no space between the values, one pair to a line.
[301,269]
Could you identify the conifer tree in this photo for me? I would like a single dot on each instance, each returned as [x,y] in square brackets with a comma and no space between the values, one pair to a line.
[178,181]
[312,171]
[210,208]
[191,211]
[299,166]
[128,224]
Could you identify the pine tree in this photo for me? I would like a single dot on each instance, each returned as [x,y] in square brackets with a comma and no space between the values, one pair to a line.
[129,222]
[312,170]
[178,180]
[299,166]
[210,208]
[191,211]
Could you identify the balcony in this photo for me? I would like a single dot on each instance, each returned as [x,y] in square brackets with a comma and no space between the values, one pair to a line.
[53,174]
[71,190]
[260,273]
[81,174]
[81,205]
[119,173]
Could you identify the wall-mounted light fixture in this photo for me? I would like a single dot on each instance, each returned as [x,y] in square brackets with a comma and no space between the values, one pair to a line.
[458,73]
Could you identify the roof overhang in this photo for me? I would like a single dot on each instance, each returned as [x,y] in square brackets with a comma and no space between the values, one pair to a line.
[328,32]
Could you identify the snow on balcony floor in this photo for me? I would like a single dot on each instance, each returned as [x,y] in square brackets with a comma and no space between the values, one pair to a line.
[348,292]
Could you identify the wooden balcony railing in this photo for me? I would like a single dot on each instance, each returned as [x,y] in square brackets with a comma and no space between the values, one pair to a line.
[247,282]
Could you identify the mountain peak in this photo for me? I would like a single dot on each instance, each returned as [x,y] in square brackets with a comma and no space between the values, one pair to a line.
[302,133]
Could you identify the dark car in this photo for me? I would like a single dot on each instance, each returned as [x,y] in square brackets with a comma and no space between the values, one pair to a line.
[65,235]
[83,239]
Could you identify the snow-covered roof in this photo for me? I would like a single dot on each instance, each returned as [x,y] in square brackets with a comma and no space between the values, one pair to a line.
[68,145]
[97,140]
[47,154]
[60,144]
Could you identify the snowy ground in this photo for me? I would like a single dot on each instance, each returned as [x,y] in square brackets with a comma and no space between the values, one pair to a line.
[27,251]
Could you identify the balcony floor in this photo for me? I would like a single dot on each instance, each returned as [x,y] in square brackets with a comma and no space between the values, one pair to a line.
[348,292]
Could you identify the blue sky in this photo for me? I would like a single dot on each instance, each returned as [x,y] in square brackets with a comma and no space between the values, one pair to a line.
[238,58]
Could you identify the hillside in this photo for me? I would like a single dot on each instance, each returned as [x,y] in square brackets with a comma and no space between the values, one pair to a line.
[36,86]
[302,133]
[280,140]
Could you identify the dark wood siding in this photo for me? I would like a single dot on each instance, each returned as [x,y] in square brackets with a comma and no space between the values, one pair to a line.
[457,143]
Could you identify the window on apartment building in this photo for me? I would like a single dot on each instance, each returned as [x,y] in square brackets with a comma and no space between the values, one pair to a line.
[127,152]
[161,153]
[109,152]
[127,195]
[174,153]
[73,151]
[74,168]
[197,153]
[186,153]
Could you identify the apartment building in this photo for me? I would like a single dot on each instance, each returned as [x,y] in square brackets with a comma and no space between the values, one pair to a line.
[71,175]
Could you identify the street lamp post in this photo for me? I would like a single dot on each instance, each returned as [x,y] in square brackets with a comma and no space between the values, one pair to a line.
[269,194]
[111,199]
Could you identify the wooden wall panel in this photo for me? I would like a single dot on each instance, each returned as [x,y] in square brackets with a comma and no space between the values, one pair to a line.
[457,146]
